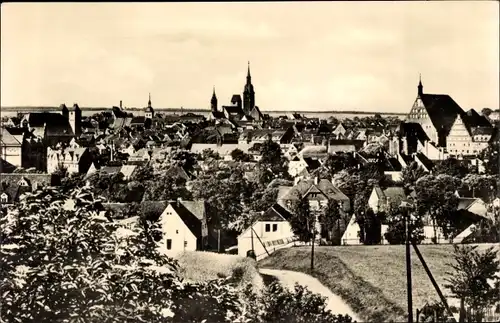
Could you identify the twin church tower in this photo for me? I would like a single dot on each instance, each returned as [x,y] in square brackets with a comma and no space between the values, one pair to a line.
[248,97]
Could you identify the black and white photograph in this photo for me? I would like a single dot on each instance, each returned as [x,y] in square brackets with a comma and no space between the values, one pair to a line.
[250,162]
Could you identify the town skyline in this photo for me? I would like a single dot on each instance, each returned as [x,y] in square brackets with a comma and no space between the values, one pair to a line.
[370,63]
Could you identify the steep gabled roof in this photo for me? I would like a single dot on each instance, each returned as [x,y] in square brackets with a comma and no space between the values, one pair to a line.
[190,220]
[275,213]
[7,139]
[442,111]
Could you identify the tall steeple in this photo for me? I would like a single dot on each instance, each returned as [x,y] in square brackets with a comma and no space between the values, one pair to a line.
[213,102]
[149,113]
[149,101]
[248,94]
[249,77]
[420,86]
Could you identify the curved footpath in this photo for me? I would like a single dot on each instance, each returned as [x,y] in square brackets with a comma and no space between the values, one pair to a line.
[288,278]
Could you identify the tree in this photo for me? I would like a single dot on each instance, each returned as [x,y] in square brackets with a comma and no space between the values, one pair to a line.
[166,188]
[73,264]
[396,230]
[281,305]
[330,219]
[435,197]
[303,220]
[475,279]
[410,175]
[372,225]
[451,167]
[337,163]
[239,155]
[273,159]
[481,184]
[491,158]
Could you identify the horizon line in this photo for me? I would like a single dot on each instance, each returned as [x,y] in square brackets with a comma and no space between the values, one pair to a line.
[20,108]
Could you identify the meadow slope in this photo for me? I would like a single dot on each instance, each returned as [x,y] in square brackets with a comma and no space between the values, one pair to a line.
[371,279]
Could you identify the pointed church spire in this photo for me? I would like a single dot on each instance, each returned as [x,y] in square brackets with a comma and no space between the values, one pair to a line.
[248,73]
[149,101]
[420,86]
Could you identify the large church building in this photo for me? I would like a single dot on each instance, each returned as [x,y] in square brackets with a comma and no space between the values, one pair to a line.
[448,126]
[240,109]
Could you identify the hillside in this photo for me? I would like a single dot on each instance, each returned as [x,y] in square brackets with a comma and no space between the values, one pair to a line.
[371,279]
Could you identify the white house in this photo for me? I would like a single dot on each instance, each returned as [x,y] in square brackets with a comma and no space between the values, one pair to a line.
[10,148]
[296,166]
[184,226]
[271,231]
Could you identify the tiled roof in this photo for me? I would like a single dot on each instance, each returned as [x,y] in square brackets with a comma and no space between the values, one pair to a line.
[41,179]
[6,167]
[304,186]
[275,213]
[7,139]
[192,222]
[138,120]
[442,110]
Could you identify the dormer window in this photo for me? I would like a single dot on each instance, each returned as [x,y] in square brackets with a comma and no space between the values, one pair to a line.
[4,198]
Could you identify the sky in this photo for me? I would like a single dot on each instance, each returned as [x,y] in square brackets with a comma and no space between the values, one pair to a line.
[304,56]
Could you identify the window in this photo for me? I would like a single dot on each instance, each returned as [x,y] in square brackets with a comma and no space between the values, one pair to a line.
[169,244]
[177,231]
[275,227]
[268,227]
[185,243]
[4,198]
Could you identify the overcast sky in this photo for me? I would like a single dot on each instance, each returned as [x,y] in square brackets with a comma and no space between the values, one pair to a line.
[304,55]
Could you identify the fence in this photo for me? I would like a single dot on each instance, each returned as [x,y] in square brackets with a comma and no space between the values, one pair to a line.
[272,246]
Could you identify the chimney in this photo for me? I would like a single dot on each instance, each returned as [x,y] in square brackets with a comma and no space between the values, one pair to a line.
[316,180]
[120,104]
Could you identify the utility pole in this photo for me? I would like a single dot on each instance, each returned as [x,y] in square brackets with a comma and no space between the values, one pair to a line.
[312,245]
[408,265]
[218,240]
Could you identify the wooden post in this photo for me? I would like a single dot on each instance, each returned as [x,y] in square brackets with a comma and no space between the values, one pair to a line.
[408,268]
[218,240]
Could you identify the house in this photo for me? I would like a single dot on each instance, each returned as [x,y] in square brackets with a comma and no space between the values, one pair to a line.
[317,191]
[344,145]
[11,148]
[184,226]
[382,200]
[296,166]
[447,125]
[12,186]
[271,230]
[75,160]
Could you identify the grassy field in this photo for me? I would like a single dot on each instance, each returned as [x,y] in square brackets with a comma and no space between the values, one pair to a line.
[371,279]
[201,266]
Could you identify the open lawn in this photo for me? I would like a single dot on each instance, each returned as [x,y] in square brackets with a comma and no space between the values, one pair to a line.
[199,266]
[371,279]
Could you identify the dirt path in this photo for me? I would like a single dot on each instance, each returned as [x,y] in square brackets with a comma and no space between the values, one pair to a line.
[289,278]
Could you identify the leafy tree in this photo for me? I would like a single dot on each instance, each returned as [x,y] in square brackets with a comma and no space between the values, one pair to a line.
[491,157]
[303,221]
[451,167]
[372,227]
[239,155]
[72,264]
[166,188]
[410,176]
[209,153]
[475,279]
[481,184]
[330,219]
[184,158]
[337,163]
[435,197]
[299,305]
[273,159]
[396,229]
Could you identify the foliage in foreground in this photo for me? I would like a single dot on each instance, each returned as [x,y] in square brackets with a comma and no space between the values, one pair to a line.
[63,260]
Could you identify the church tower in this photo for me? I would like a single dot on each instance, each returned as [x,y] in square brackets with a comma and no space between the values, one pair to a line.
[75,119]
[213,102]
[149,112]
[420,86]
[248,94]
